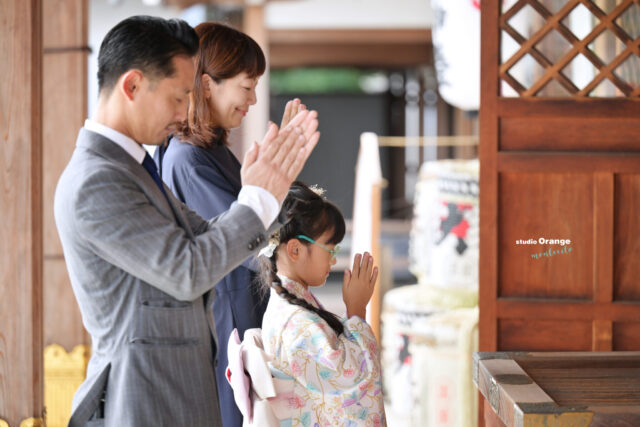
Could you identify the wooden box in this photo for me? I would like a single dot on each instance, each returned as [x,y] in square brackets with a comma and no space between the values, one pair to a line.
[560,389]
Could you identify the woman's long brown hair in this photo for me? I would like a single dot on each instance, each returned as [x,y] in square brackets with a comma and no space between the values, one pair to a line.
[223,53]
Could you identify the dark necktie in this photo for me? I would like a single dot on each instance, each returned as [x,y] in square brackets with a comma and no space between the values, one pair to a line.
[150,166]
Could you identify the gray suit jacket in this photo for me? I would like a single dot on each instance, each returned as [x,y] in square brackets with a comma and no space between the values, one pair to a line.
[142,270]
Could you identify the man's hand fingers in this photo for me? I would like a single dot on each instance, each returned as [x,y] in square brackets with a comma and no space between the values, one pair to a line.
[307,122]
[312,142]
[311,129]
[293,161]
[298,119]
[251,156]
[288,160]
[274,147]
[286,115]
[272,133]
[301,157]
[289,144]
[310,124]
[300,108]
[290,110]
[281,154]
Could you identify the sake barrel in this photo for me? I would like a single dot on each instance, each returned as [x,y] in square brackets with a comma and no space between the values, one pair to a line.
[401,308]
[444,237]
[441,348]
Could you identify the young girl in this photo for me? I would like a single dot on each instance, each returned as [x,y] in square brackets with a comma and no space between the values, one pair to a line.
[333,363]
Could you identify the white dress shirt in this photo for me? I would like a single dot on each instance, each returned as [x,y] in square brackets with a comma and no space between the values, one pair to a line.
[263,203]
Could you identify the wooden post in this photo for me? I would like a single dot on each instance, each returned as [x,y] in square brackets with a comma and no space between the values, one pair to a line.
[21,370]
[488,132]
[375,305]
[367,215]
[64,108]
[64,101]
[488,135]
[254,125]
[604,210]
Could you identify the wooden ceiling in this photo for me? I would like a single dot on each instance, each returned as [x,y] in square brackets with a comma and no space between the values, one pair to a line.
[350,47]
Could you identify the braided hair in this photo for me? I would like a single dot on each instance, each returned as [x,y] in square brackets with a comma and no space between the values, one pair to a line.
[310,214]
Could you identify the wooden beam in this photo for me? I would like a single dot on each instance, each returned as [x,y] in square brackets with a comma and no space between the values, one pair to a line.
[350,36]
[183,4]
[350,47]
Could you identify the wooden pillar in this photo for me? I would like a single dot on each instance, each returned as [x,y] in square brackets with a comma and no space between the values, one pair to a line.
[254,125]
[21,370]
[64,102]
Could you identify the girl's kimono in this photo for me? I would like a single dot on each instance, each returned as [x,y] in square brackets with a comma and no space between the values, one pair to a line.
[335,380]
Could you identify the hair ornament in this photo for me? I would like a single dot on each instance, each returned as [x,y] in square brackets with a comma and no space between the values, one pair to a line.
[274,241]
[318,190]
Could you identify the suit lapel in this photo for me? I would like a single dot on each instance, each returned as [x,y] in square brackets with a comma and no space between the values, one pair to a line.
[111,151]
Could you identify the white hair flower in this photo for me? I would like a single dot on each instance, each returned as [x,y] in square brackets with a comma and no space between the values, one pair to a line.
[268,250]
[318,190]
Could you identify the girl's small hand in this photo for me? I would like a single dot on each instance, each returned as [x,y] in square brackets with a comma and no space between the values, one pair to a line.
[292,108]
[358,285]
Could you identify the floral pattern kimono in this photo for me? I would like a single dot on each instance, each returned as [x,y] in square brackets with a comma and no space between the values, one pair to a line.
[336,379]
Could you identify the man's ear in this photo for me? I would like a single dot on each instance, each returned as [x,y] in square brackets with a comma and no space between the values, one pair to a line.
[130,83]
[293,249]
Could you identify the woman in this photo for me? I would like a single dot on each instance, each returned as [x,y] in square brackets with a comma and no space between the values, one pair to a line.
[202,171]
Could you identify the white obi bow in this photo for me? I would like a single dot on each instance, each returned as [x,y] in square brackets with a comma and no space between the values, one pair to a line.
[261,392]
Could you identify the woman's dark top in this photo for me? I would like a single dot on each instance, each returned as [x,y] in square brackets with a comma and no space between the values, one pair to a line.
[208,181]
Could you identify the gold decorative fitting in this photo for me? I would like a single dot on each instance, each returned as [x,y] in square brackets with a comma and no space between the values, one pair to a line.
[63,374]
[3,423]
[32,422]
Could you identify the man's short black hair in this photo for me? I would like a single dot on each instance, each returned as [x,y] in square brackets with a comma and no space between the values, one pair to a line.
[146,43]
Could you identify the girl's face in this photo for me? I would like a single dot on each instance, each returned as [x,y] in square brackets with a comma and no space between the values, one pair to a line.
[315,262]
[230,99]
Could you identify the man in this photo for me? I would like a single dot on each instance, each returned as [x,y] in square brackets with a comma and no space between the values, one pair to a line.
[142,265]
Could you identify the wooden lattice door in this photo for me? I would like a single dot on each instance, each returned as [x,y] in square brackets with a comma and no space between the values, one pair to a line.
[560,159]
